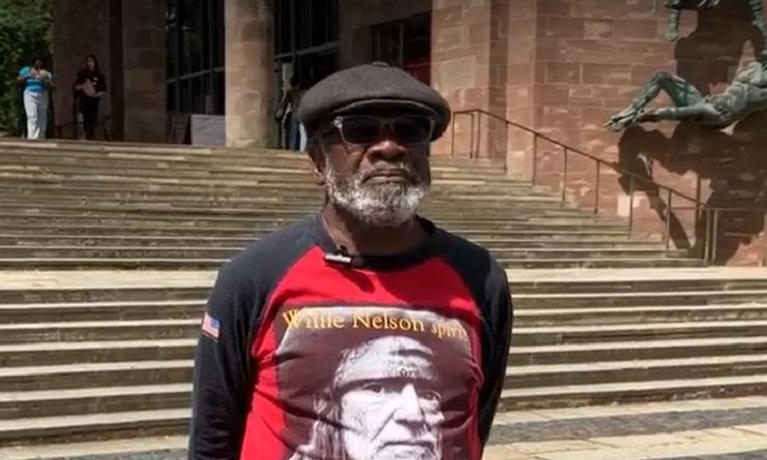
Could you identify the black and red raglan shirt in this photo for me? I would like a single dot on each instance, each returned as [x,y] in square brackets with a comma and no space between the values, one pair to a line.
[386,357]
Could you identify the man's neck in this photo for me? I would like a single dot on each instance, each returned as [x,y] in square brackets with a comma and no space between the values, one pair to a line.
[362,238]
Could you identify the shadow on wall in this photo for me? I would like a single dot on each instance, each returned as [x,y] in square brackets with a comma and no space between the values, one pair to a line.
[709,55]
[735,165]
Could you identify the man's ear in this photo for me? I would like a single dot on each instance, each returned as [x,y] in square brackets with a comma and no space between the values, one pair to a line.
[317,158]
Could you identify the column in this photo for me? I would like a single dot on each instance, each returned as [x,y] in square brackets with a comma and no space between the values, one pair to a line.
[80,28]
[250,79]
[144,96]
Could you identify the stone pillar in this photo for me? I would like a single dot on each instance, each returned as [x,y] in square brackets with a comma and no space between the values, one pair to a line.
[145,104]
[250,76]
[80,28]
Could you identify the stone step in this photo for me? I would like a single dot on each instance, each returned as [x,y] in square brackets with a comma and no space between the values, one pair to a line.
[65,353]
[30,293]
[43,228]
[26,157]
[560,300]
[99,330]
[92,401]
[639,287]
[251,223]
[283,206]
[80,428]
[184,159]
[96,240]
[299,175]
[210,264]
[26,313]
[524,317]
[269,214]
[590,373]
[245,183]
[94,375]
[555,335]
[628,392]
[216,156]
[178,252]
[636,350]
[602,263]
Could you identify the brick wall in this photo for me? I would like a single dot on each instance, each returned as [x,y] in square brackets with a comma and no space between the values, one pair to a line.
[591,57]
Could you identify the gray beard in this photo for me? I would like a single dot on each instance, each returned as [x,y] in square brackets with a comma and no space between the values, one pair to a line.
[379,205]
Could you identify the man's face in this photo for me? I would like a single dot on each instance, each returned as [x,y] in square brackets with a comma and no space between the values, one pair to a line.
[375,165]
[390,408]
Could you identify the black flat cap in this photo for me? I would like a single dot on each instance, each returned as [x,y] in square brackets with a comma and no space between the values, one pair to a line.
[369,86]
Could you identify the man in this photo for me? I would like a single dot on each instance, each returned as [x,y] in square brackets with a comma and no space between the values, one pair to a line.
[364,331]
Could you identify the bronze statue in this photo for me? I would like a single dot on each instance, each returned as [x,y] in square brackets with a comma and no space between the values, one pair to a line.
[746,94]
[677,6]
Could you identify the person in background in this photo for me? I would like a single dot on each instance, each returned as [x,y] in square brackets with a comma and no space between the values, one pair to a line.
[90,85]
[37,83]
[294,137]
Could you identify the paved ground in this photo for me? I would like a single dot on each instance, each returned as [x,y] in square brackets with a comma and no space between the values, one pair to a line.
[726,429]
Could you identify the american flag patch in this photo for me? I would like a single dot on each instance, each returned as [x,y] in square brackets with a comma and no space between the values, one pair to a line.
[210,326]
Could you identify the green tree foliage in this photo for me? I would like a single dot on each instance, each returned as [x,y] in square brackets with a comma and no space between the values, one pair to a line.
[26,29]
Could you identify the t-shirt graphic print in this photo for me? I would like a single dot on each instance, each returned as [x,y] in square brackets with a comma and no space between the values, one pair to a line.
[370,382]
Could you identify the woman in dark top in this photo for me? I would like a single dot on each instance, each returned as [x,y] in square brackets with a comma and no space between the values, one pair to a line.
[90,85]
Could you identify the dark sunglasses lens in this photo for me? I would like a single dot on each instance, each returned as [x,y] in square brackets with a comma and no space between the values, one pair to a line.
[412,130]
[361,130]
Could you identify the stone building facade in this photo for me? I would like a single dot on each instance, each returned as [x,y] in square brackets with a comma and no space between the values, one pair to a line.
[560,67]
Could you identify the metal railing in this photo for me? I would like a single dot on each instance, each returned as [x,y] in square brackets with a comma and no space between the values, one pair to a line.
[708,252]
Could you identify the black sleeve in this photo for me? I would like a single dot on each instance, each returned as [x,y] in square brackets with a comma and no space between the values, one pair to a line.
[223,369]
[79,79]
[498,316]
[487,281]
[102,84]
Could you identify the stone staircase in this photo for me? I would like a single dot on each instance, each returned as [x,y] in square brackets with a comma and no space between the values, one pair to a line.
[108,252]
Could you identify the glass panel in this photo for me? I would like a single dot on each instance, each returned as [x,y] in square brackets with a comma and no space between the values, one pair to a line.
[320,22]
[198,96]
[205,33]
[387,43]
[171,97]
[333,20]
[170,38]
[219,99]
[304,21]
[193,33]
[220,32]
[184,103]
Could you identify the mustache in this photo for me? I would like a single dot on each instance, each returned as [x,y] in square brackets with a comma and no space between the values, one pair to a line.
[405,169]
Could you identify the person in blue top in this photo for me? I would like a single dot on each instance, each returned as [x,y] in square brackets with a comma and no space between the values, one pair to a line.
[37,83]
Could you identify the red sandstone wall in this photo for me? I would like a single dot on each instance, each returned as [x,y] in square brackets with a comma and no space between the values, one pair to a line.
[591,56]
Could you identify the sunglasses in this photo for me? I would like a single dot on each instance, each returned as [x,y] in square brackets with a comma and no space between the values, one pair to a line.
[365,130]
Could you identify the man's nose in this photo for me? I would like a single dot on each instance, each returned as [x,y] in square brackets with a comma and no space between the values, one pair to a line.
[386,148]
[409,409]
